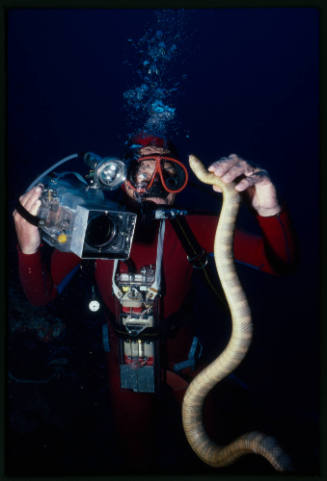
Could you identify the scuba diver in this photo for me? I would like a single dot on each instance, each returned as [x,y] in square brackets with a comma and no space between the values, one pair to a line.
[145,295]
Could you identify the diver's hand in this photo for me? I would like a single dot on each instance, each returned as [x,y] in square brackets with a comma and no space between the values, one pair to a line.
[253,181]
[28,235]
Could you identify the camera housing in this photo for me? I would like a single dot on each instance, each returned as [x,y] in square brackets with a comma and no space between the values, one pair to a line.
[76,218]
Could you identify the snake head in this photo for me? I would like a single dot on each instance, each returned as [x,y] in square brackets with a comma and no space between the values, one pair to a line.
[207,177]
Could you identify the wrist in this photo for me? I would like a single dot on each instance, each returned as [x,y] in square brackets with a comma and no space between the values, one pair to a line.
[269,211]
[29,251]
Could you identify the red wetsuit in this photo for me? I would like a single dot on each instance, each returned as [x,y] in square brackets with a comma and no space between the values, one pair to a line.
[134,411]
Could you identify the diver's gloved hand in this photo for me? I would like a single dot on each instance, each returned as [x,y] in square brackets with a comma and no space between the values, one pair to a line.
[253,181]
[28,235]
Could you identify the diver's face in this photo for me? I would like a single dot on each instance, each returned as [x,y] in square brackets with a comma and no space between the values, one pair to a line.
[144,173]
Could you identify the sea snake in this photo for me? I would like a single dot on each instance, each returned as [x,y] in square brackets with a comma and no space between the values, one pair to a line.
[234,352]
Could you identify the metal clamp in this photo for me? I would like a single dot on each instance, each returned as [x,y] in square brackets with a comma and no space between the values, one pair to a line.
[194,261]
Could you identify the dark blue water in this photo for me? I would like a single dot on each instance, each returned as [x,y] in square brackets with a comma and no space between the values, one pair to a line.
[216,82]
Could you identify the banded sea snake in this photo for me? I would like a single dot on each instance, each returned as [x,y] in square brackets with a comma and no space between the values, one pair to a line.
[236,349]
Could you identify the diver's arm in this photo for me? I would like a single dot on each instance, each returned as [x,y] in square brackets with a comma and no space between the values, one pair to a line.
[28,235]
[273,252]
[35,278]
[38,281]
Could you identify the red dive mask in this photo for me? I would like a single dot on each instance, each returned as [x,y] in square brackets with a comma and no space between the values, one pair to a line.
[169,175]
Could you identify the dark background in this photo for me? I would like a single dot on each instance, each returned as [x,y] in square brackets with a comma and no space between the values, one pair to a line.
[252,88]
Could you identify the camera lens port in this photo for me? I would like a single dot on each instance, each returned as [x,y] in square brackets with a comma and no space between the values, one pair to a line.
[100,230]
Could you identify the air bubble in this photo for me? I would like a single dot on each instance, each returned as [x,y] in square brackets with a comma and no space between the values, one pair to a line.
[150,105]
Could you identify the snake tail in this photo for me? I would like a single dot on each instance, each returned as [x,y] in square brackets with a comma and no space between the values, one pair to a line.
[235,351]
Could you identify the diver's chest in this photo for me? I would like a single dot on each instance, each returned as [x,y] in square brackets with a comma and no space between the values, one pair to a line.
[173,257]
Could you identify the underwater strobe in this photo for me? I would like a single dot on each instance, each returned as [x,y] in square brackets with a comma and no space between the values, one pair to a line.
[75,216]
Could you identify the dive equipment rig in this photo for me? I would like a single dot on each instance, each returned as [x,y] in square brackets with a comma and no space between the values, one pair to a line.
[138,294]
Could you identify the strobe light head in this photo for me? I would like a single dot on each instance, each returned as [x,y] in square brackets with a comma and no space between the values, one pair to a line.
[111,173]
[106,172]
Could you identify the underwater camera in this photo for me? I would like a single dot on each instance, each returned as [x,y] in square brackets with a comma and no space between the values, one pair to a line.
[75,216]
